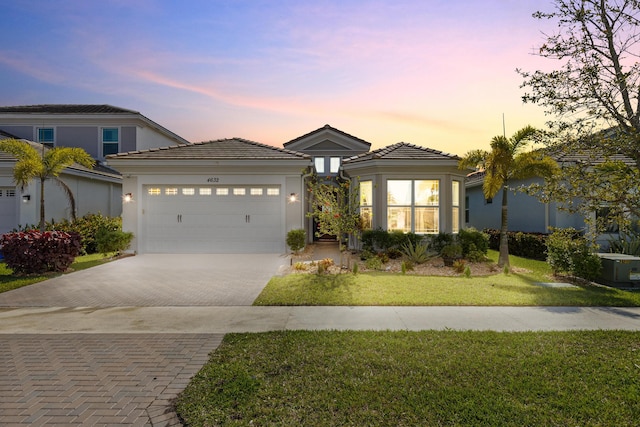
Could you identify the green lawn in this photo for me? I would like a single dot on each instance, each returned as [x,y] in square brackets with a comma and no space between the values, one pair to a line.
[586,378]
[8,281]
[515,289]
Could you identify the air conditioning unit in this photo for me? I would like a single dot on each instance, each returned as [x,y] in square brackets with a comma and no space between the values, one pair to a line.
[620,270]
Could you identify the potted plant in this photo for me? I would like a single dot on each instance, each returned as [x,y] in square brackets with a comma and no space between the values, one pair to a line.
[451,253]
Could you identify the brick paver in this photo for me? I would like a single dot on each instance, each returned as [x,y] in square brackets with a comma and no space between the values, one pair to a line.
[97,379]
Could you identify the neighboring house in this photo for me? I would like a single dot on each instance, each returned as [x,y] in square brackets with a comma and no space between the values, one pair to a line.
[234,195]
[527,213]
[95,190]
[98,129]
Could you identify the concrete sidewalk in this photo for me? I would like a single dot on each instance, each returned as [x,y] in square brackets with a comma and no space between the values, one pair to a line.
[220,320]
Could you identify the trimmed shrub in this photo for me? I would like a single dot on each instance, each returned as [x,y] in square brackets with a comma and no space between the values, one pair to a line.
[380,240]
[32,252]
[526,245]
[88,227]
[108,241]
[296,239]
[570,252]
[473,241]
[440,240]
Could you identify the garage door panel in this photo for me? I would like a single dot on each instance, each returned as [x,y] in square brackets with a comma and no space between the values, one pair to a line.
[212,223]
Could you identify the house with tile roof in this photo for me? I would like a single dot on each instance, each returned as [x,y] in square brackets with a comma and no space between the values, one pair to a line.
[235,196]
[99,130]
[527,213]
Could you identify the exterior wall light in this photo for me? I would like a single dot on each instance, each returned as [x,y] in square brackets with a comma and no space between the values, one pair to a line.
[128,198]
[26,198]
[293,197]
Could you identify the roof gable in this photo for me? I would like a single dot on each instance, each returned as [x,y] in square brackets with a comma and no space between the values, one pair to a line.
[404,151]
[221,149]
[328,140]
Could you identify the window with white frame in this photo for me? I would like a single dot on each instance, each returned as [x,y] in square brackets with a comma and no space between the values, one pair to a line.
[366,204]
[413,205]
[110,141]
[455,206]
[334,164]
[46,136]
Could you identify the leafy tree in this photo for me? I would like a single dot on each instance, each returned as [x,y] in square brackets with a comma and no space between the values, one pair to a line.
[593,99]
[505,162]
[48,164]
[334,205]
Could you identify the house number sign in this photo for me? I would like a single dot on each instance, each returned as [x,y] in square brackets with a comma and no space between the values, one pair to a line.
[213,179]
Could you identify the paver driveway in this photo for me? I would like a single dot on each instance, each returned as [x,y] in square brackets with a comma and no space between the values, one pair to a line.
[155,280]
[119,379]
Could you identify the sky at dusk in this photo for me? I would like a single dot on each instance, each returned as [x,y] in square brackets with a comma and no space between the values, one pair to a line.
[439,74]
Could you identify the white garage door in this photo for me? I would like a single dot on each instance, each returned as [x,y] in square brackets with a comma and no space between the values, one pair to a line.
[213,219]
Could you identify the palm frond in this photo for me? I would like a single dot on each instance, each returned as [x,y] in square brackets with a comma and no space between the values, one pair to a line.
[69,194]
[474,159]
[59,158]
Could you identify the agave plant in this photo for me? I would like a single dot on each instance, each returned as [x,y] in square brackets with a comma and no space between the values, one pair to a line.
[418,253]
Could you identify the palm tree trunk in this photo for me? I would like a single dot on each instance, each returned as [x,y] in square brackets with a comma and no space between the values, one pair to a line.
[503,258]
[42,205]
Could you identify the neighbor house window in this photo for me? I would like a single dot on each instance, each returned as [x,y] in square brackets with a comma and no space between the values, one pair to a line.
[455,206]
[413,206]
[467,214]
[319,164]
[366,204]
[110,141]
[46,136]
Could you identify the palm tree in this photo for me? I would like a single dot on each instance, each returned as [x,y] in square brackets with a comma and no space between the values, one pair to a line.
[506,161]
[47,164]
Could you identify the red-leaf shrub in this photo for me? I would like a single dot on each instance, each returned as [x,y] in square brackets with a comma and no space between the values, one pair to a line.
[32,252]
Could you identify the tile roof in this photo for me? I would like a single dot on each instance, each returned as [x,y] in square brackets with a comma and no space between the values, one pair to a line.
[221,149]
[66,109]
[326,127]
[403,151]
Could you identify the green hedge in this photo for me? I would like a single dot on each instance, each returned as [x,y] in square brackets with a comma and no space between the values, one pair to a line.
[526,245]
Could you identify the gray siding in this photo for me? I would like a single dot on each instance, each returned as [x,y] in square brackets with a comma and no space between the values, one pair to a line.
[128,139]
[526,213]
[85,137]
[24,132]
